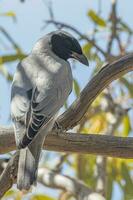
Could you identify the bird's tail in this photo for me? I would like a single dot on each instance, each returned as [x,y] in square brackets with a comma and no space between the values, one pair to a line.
[29,159]
[26,169]
[28,164]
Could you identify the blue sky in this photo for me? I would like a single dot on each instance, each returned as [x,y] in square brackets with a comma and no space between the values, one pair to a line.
[27,30]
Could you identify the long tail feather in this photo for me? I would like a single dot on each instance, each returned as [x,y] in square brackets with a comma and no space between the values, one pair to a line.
[29,159]
[26,169]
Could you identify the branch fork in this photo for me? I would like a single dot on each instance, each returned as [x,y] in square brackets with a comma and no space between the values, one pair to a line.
[73,142]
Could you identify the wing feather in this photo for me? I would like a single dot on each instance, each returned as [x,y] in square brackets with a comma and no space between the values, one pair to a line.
[42,110]
[36,98]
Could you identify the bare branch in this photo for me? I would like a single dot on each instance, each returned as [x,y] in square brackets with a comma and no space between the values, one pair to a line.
[114,19]
[113,146]
[70,142]
[98,83]
[61,159]
[101,175]
[10,39]
[66,183]
[48,178]
[75,30]
[72,116]
[8,176]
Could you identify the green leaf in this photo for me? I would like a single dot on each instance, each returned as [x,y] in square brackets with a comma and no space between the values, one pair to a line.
[126,175]
[5,73]
[6,59]
[97,19]
[10,193]
[9,14]
[11,58]
[128,187]
[87,48]
[41,197]
[110,187]
[76,87]
[126,126]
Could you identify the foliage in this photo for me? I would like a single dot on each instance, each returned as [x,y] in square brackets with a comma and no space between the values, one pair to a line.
[9,58]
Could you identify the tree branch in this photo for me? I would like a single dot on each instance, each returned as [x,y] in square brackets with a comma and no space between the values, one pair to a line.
[68,184]
[106,75]
[75,30]
[95,144]
[105,145]
[50,179]
[75,112]
[10,39]
[8,177]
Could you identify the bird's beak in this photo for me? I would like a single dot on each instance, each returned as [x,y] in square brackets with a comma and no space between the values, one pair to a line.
[80,57]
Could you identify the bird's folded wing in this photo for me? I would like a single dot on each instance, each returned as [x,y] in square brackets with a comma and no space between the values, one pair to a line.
[43,107]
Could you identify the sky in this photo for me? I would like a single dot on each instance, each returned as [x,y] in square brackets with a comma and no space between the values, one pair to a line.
[28,29]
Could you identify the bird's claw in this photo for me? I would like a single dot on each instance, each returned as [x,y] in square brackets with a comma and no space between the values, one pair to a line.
[58,129]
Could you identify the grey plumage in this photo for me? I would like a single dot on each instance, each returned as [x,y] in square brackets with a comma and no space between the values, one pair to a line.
[41,85]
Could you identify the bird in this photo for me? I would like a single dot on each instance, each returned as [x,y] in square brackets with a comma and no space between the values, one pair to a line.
[41,84]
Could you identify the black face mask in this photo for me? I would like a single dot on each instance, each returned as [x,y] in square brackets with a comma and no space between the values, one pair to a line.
[65,46]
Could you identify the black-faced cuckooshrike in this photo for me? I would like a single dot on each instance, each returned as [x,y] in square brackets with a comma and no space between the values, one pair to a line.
[41,85]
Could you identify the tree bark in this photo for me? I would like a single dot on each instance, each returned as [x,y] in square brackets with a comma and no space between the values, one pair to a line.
[72,142]
[120,147]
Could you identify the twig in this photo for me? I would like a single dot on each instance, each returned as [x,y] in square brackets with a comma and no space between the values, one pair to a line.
[113,18]
[66,183]
[101,162]
[112,71]
[10,39]
[75,30]
[61,160]
[114,29]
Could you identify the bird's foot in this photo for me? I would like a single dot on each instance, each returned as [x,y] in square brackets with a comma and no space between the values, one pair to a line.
[58,128]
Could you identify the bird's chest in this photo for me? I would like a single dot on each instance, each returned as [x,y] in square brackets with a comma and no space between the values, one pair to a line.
[56,77]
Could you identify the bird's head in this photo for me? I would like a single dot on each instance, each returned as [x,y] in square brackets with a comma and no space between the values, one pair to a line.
[65,46]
